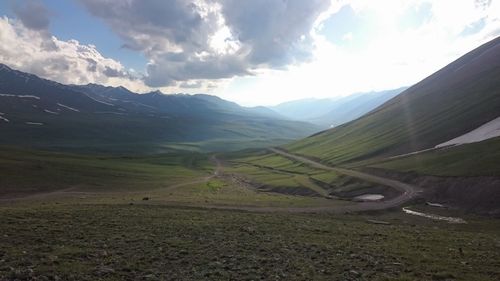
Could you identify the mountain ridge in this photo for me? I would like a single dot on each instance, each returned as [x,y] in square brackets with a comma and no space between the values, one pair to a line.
[85,114]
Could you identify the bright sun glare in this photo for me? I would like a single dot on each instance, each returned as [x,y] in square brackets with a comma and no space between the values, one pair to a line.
[397,44]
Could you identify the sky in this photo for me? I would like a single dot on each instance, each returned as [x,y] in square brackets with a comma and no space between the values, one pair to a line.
[259,52]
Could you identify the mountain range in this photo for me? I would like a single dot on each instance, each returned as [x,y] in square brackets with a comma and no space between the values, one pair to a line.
[332,112]
[39,112]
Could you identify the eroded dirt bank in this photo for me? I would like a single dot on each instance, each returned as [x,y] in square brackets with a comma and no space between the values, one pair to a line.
[478,195]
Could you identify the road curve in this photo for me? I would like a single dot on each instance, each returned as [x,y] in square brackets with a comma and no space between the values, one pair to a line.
[408,192]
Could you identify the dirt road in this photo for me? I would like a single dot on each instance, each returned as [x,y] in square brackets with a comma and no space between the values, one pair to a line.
[408,192]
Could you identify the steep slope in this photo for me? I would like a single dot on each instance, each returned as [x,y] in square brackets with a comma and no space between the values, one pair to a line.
[39,112]
[328,113]
[453,101]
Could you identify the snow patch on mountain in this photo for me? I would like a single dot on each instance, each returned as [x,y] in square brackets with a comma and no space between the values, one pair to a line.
[109,112]
[20,96]
[96,100]
[484,132]
[51,112]
[68,107]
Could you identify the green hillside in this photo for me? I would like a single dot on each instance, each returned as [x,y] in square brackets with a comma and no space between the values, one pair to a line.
[456,99]
[24,172]
[476,159]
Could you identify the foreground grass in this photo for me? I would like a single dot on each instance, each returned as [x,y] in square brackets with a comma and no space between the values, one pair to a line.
[132,242]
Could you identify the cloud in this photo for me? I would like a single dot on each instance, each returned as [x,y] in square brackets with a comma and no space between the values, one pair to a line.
[277,32]
[111,72]
[69,62]
[191,85]
[212,39]
[155,26]
[168,70]
[32,14]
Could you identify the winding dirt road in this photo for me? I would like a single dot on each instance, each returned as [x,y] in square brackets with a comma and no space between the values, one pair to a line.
[408,192]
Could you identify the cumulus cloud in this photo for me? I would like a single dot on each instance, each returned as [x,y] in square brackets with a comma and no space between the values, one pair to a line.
[212,39]
[69,62]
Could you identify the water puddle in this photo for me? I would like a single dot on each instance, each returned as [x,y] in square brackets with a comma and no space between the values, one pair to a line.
[434,217]
[369,197]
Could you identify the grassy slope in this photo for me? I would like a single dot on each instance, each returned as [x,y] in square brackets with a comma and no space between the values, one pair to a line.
[28,171]
[145,242]
[173,178]
[160,147]
[453,101]
[477,159]
[224,145]
[276,172]
[279,174]
[143,134]
[221,192]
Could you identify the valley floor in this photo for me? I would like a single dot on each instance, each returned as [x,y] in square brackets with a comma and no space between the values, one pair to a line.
[190,216]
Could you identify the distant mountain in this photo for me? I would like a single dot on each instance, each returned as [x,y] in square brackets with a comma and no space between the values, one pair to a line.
[40,112]
[332,112]
[304,109]
[354,106]
[455,100]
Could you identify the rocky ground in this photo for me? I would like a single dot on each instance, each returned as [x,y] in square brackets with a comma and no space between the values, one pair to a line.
[145,242]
